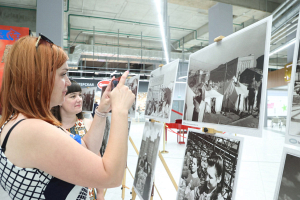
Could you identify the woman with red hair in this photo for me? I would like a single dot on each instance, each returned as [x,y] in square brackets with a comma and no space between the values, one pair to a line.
[38,158]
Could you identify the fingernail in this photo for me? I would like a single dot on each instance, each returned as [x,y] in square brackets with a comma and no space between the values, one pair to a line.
[127,71]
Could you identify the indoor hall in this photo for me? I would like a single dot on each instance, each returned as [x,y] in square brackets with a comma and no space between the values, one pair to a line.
[221,77]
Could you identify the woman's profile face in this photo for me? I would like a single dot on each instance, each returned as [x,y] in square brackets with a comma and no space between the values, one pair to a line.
[72,103]
[61,84]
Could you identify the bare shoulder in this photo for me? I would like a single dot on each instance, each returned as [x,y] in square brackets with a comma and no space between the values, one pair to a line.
[31,135]
[87,122]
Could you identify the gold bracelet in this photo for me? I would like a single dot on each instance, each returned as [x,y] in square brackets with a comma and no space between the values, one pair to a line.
[100,114]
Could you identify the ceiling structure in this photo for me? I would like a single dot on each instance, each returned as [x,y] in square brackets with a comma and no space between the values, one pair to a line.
[134,23]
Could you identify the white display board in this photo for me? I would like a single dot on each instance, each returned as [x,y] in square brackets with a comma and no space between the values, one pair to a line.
[160,92]
[144,173]
[210,166]
[133,85]
[292,135]
[288,181]
[226,84]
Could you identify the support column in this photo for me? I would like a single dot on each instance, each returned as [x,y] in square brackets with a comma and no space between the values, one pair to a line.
[49,20]
[220,21]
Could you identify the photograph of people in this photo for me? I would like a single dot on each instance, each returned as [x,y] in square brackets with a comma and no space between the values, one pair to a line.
[204,174]
[160,92]
[212,189]
[88,96]
[37,153]
[133,83]
[145,169]
[227,88]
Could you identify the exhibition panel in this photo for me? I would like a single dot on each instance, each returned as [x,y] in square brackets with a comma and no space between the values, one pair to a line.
[293,132]
[227,82]
[133,85]
[215,156]
[288,178]
[161,91]
[144,173]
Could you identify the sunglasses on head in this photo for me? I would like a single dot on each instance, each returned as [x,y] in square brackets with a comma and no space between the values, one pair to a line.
[42,37]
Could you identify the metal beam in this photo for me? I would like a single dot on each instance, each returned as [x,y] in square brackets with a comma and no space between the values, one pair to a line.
[262,5]
[192,36]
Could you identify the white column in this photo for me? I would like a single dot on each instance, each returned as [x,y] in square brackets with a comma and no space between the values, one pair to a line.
[220,21]
[49,20]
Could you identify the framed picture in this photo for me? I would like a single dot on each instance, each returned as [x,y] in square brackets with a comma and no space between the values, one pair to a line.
[160,92]
[288,181]
[292,135]
[88,97]
[106,134]
[227,82]
[144,173]
[133,85]
[210,167]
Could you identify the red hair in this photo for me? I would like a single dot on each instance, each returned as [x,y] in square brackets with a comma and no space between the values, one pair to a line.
[28,79]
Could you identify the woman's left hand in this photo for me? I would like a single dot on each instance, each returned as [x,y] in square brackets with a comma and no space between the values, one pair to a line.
[105,103]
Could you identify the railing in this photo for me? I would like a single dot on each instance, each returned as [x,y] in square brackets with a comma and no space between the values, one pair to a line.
[121,52]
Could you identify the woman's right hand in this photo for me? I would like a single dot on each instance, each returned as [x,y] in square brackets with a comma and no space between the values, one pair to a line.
[121,97]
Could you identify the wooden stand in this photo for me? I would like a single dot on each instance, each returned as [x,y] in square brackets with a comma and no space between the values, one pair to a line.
[168,170]
[152,193]
[164,141]
[123,185]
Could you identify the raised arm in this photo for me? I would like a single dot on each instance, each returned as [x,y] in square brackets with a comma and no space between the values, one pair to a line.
[93,138]
[49,149]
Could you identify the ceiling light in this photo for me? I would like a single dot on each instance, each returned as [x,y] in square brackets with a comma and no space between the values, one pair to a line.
[162,30]
[283,47]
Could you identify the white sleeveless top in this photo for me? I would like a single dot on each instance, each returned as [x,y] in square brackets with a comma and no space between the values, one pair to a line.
[34,184]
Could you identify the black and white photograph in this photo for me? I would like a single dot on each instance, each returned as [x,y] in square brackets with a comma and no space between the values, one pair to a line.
[288,182]
[226,80]
[160,92]
[106,134]
[144,173]
[88,96]
[210,167]
[133,85]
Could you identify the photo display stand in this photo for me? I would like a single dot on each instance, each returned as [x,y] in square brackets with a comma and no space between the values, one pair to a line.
[158,110]
[133,193]
[292,134]
[226,83]
[217,156]
[207,147]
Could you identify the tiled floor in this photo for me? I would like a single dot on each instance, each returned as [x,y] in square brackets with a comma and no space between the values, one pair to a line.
[258,171]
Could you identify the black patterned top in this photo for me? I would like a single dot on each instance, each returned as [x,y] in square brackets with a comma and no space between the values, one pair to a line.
[34,184]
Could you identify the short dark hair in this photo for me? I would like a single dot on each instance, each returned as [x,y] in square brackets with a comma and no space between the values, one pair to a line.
[216,161]
[74,87]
